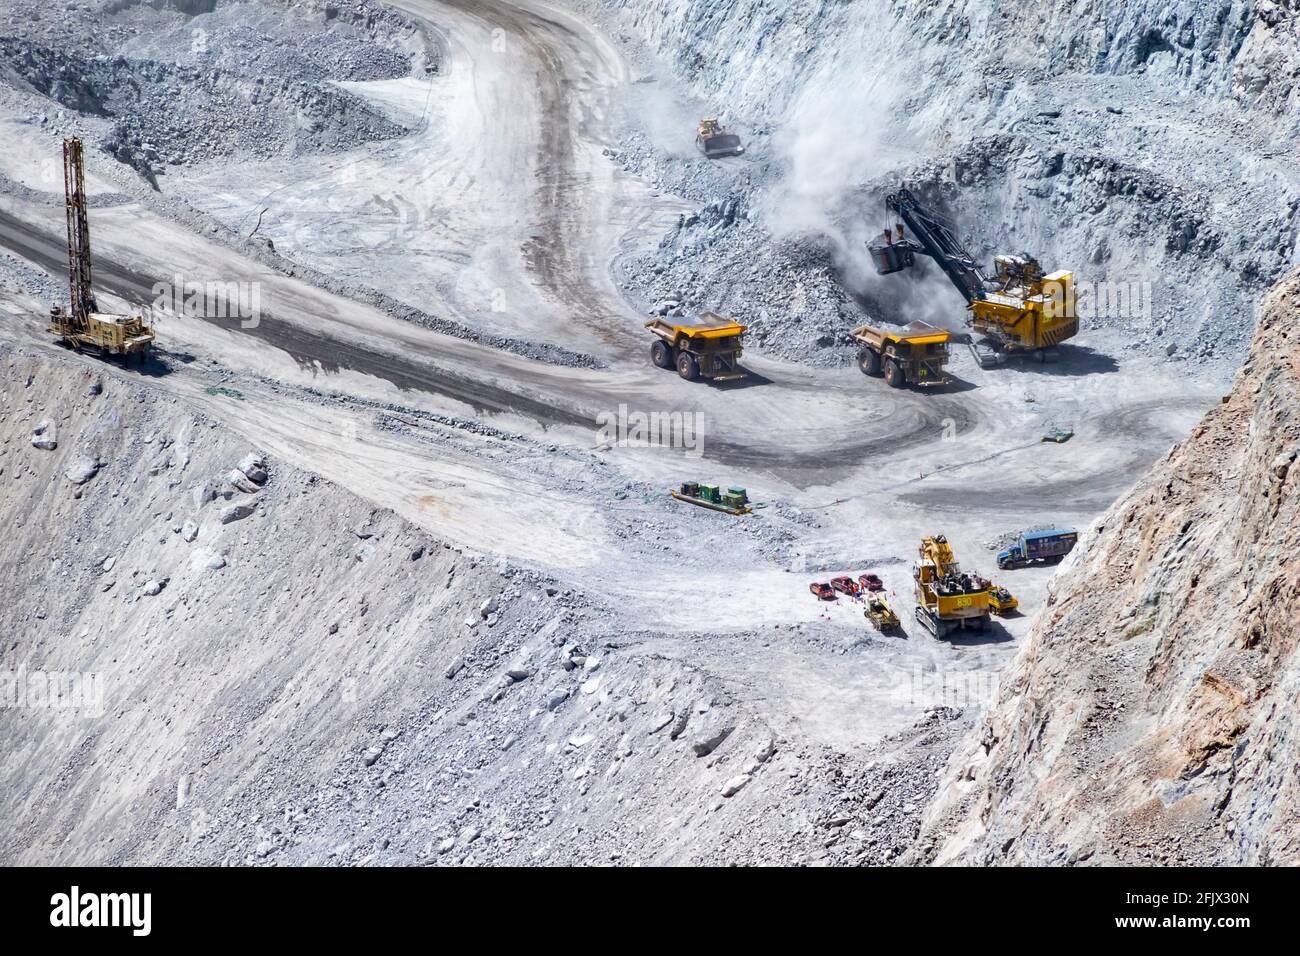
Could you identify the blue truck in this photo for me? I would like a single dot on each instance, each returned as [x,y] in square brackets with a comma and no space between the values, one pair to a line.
[1035,547]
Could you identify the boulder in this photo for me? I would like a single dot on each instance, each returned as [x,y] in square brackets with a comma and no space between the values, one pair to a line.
[707,740]
[253,467]
[210,491]
[82,469]
[240,482]
[557,697]
[660,722]
[205,560]
[237,512]
[43,437]
[734,785]
[765,750]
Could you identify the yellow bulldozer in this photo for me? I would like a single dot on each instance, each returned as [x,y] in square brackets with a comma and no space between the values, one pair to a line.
[880,614]
[1019,310]
[714,140]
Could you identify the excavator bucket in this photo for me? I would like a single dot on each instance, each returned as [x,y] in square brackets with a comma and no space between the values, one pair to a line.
[889,258]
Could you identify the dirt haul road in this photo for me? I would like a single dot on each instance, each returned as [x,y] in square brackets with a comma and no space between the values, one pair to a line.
[502,215]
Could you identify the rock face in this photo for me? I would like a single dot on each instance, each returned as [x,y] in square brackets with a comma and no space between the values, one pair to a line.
[1151,715]
[966,107]
[1234,47]
[248,81]
[550,733]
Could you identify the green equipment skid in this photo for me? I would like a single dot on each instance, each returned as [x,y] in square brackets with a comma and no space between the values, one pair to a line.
[734,501]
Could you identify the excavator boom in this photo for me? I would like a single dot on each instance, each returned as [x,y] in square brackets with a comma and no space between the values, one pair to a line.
[934,238]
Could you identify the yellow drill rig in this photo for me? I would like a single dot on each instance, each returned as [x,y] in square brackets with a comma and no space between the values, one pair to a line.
[1017,310]
[83,325]
[948,599]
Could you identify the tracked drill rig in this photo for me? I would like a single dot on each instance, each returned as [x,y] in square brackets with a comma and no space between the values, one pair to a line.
[1017,310]
[83,325]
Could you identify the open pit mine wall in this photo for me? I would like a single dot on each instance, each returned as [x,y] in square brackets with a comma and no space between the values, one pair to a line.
[1151,716]
[758,56]
[223,629]
[1133,143]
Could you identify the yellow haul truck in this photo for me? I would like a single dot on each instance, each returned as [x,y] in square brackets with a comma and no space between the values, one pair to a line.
[709,347]
[948,599]
[1018,310]
[912,355]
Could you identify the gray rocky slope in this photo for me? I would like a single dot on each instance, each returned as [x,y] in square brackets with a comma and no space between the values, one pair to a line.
[1143,143]
[419,704]
[177,85]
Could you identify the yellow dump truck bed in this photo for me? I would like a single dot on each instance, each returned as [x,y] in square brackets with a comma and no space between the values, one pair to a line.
[708,325]
[914,354]
[914,333]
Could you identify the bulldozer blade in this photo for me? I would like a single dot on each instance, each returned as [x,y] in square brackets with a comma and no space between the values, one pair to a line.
[725,145]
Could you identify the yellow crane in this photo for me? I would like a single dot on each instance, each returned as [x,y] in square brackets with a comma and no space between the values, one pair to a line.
[83,325]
